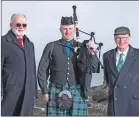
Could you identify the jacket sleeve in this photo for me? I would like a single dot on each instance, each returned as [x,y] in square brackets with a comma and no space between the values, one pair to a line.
[2,62]
[94,63]
[35,75]
[43,68]
[105,68]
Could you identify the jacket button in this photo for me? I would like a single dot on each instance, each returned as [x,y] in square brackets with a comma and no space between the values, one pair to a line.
[116,87]
[68,62]
[124,86]
[115,98]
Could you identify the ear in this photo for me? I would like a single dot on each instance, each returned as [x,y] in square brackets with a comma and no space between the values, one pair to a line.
[115,39]
[10,24]
[60,29]
[75,27]
[129,37]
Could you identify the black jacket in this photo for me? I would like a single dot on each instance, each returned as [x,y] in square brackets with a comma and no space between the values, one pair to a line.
[18,74]
[58,65]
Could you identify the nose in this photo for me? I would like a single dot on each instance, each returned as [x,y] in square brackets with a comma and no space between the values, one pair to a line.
[68,31]
[21,26]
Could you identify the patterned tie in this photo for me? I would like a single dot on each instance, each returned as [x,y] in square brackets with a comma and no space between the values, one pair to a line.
[20,40]
[120,62]
[67,49]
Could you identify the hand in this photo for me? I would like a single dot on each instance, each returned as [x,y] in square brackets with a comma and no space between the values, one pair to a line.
[1,98]
[45,98]
[104,84]
[91,46]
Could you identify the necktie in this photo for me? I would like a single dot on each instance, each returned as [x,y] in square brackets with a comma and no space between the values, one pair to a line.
[20,40]
[67,49]
[120,62]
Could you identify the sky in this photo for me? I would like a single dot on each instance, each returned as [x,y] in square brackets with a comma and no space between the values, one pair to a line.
[101,17]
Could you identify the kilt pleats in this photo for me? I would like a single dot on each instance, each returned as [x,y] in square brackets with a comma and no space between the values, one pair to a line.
[79,107]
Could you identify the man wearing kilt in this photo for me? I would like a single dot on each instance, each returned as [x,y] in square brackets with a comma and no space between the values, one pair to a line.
[59,62]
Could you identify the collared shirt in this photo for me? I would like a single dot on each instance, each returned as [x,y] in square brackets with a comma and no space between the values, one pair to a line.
[118,55]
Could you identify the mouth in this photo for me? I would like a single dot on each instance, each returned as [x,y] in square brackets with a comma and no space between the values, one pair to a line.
[21,30]
[68,35]
[122,45]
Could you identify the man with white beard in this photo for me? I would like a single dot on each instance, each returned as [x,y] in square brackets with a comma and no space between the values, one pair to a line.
[18,71]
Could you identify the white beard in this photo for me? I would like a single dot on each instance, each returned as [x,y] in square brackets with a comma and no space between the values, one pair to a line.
[17,33]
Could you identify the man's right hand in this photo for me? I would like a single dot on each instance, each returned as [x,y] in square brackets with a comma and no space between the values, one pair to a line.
[104,84]
[45,98]
[1,98]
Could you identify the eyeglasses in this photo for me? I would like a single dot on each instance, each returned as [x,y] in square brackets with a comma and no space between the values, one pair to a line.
[121,38]
[18,25]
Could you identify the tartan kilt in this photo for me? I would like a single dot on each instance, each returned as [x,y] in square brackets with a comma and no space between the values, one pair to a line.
[79,107]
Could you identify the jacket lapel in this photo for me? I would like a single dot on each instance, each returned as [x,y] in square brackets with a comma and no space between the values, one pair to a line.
[62,41]
[128,64]
[73,44]
[112,62]
[12,38]
[26,42]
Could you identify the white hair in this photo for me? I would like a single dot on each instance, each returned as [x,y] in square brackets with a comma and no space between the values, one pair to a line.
[13,17]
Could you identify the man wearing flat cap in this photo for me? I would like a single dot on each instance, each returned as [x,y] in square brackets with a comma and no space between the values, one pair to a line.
[59,62]
[121,74]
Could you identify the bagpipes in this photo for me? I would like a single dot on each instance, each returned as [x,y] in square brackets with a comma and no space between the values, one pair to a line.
[98,49]
[86,60]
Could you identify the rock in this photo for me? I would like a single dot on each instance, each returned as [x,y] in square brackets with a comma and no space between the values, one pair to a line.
[99,93]
[40,106]
[98,99]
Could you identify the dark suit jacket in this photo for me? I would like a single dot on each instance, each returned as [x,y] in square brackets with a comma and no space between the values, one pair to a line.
[18,74]
[123,86]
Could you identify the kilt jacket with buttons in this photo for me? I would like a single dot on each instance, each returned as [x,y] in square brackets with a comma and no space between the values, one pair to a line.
[124,86]
[59,66]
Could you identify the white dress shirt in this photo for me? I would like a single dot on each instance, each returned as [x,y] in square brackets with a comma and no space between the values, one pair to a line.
[118,55]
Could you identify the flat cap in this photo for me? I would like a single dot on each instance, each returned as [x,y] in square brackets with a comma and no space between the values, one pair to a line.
[121,31]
